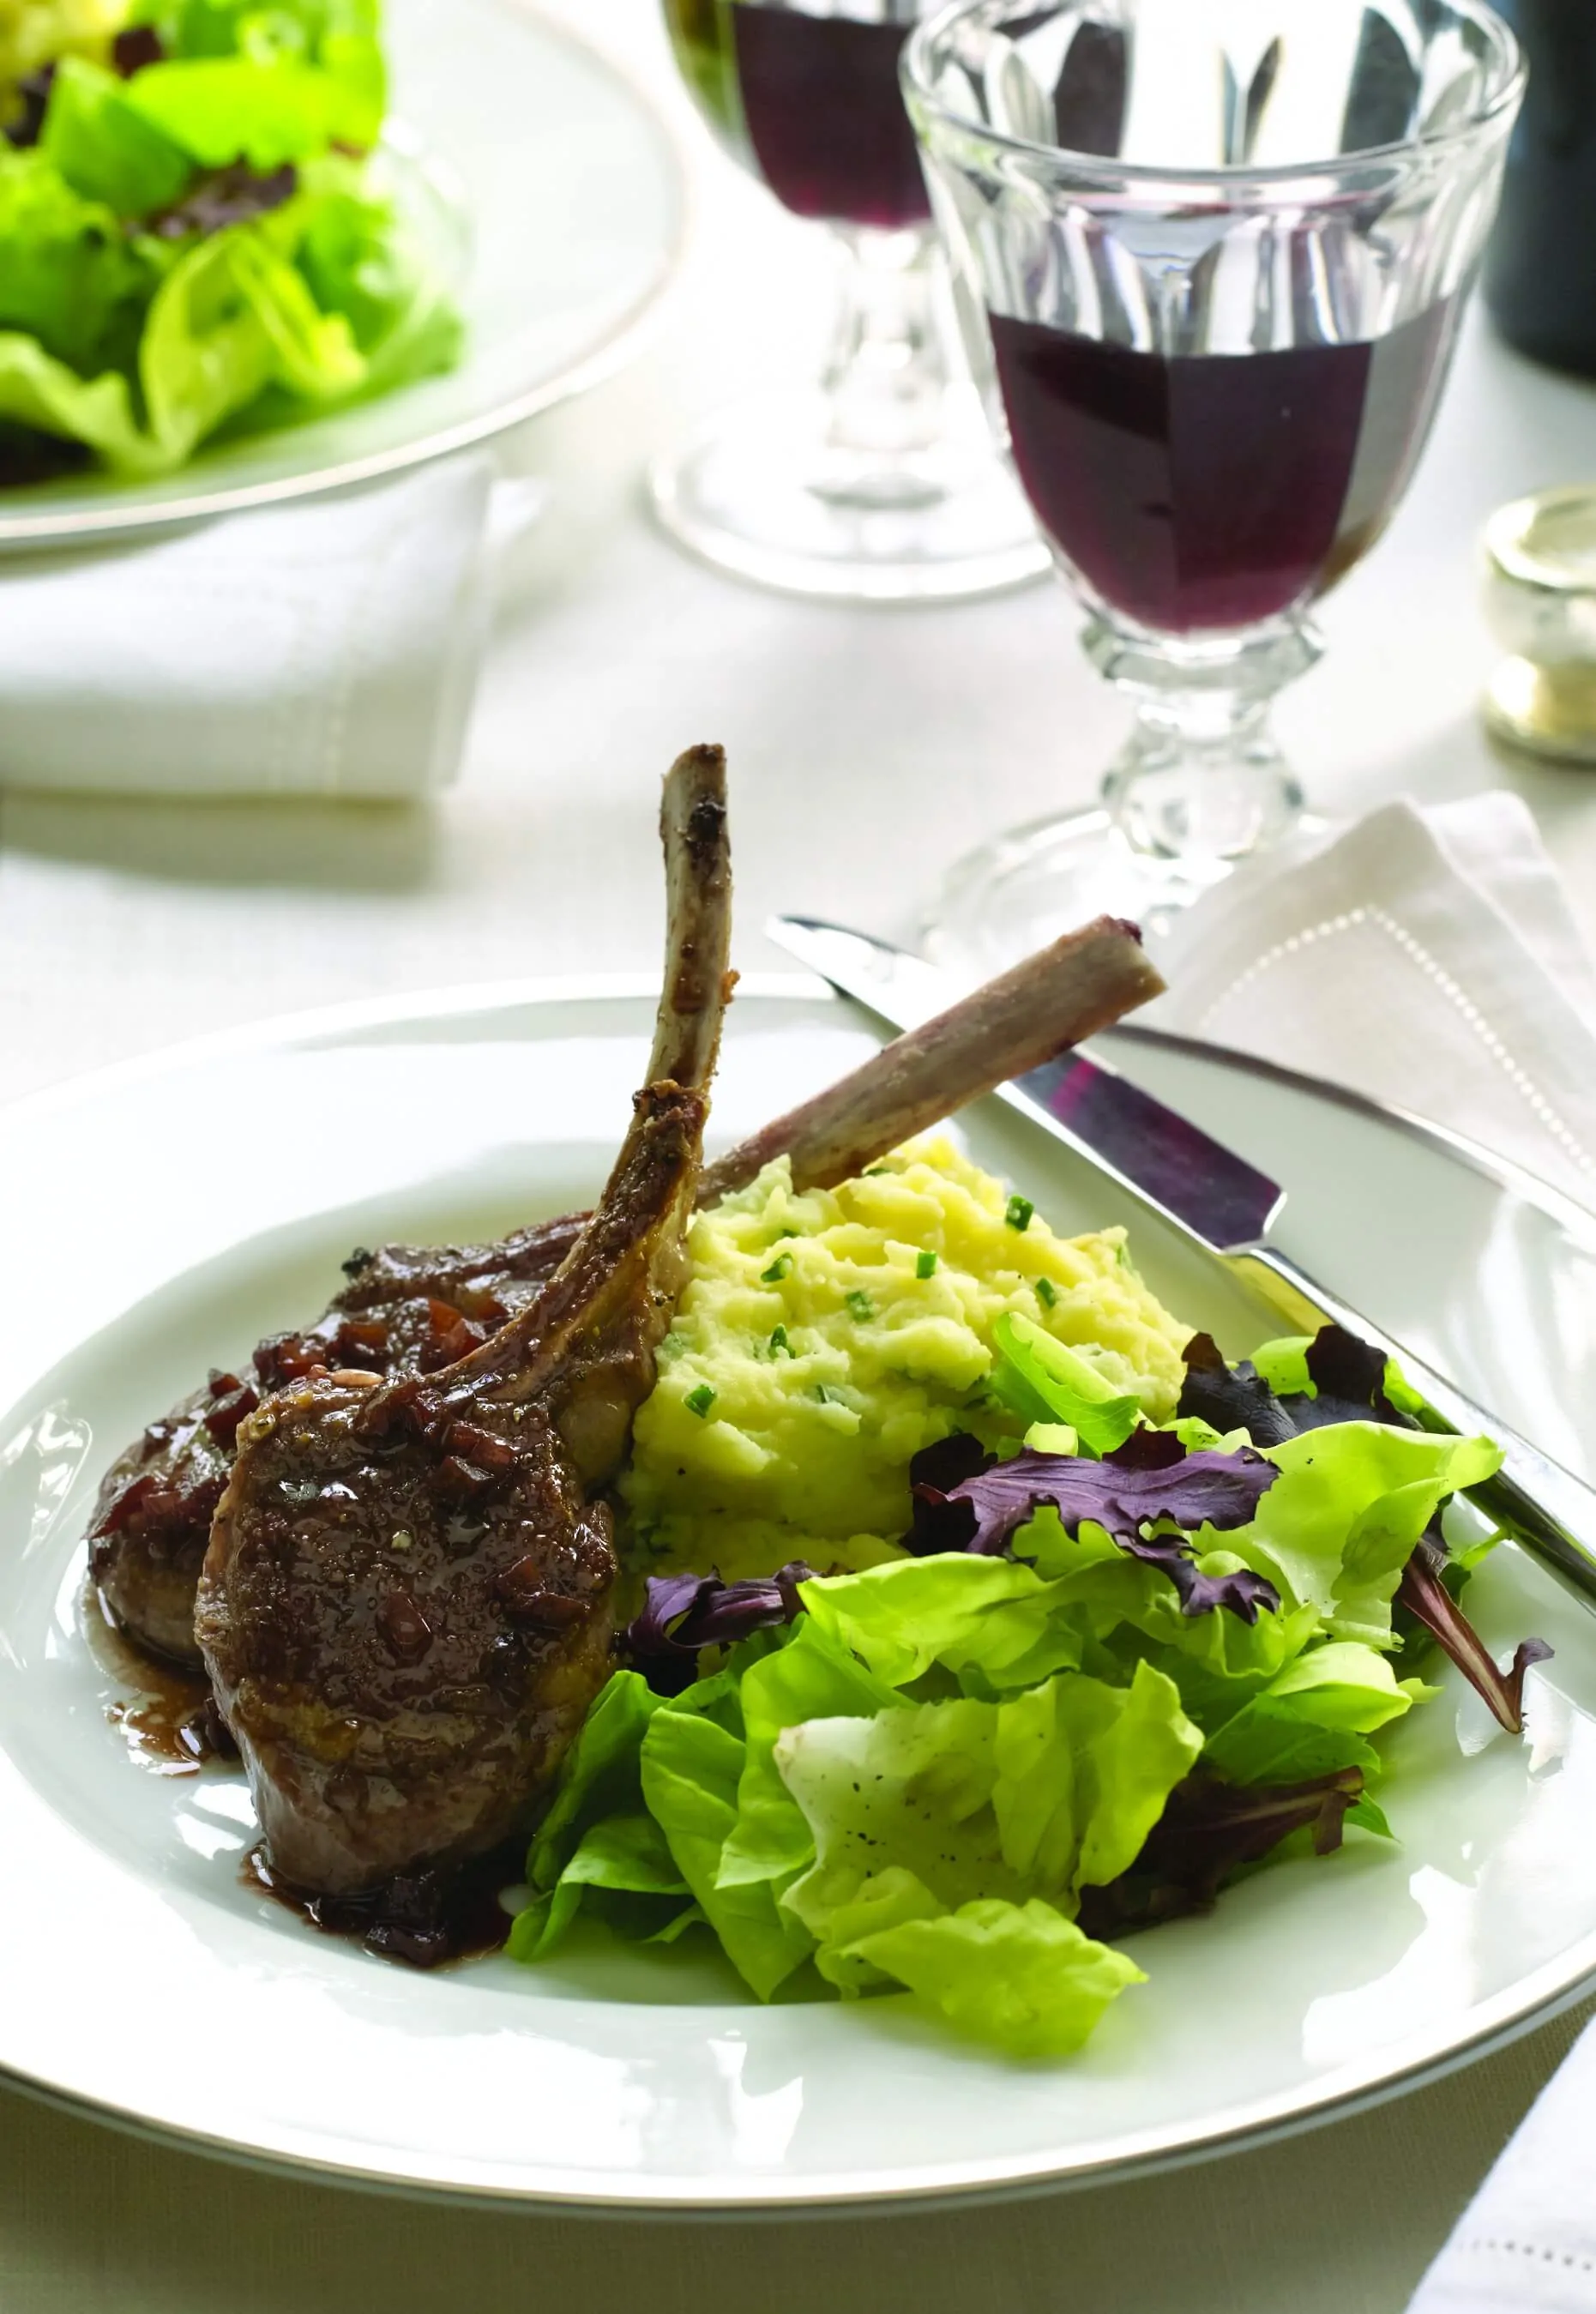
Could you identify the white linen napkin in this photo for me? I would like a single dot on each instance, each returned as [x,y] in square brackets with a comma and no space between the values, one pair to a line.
[1528,2243]
[1428,958]
[326,648]
[1425,956]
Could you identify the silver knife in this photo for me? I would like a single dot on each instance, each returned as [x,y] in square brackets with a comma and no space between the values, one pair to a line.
[1224,1206]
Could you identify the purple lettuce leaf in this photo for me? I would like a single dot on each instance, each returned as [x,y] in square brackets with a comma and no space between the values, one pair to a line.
[1349,1377]
[34,93]
[1424,1595]
[1209,1831]
[685,1613]
[1151,1478]
[135,48]
[219,198]
[1232,1398]
[941,1524]
[1348,1374]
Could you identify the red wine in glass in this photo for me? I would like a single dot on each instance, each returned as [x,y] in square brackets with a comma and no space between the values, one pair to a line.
[812,104]
[877,480]
[1208,492]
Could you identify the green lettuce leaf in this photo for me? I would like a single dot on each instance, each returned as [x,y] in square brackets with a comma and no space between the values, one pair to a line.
[597,1835]
[1018,1975]
[68,276]
[624,1864]
[1045,1383]
[601,1774]
[1313,1717]
[692,1765]
[227,28]
[268,84]
[232,318]
[952,1840]
[104,146]
[993,1615]
[37,391]
[1037,1795]
[220,110]
[360,263]
[811,1677]
[1337,1529]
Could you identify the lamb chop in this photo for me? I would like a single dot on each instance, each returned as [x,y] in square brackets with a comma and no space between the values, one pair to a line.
[406,1309]
[416,1310]
[404,1607]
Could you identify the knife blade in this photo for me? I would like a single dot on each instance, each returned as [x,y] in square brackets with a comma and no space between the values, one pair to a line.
[1222,1205]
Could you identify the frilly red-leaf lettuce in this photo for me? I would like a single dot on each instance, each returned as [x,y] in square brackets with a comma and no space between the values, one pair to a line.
[1151,1479]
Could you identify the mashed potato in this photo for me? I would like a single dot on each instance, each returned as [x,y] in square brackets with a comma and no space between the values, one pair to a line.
[819,1345]
[35,33]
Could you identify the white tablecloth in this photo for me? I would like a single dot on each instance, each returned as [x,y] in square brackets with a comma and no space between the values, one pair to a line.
[125,926]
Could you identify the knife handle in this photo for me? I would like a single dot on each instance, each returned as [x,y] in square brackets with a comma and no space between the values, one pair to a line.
[1546,1509]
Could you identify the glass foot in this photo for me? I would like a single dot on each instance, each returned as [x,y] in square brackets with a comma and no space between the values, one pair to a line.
[765,493]
[1024,889]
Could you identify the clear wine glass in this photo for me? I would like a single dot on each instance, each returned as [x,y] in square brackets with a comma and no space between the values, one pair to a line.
[1212,257]
[880,482]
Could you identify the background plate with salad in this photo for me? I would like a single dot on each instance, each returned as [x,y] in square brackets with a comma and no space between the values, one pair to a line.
[453,283]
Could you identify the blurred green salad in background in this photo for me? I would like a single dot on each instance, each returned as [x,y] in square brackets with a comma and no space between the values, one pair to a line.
[196,228]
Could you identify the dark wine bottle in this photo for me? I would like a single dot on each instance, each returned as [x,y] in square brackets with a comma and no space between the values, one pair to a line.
[1540,269]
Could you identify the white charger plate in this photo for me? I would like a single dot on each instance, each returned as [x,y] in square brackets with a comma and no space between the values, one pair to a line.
[574,200]
[159,1218]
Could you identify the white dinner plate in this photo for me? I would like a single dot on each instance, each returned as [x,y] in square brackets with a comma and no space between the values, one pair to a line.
[158,1219]
[574,201]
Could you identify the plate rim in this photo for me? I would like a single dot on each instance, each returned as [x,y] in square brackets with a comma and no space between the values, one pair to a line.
[1550,1993]
[24,534]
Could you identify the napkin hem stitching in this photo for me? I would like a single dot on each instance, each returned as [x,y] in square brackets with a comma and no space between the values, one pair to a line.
[1414,949]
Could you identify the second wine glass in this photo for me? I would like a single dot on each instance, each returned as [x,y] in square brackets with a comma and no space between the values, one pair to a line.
[879,481]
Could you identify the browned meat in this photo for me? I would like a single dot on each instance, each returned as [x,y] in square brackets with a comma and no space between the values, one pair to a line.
[406,1309]
[415,1311]
[405,1606]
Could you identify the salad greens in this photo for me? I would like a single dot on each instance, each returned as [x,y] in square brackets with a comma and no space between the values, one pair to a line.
[194,233]
[1105,1680]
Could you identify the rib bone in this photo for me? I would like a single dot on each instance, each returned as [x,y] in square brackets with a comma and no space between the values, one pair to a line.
[1083,983]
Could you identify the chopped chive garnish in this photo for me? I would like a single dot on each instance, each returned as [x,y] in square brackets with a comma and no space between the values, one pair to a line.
[926,1267]
[830,1395]
[780,1343]
[859,1306]
[779,1268]
[1047,1292]
[873,1172]
[699,1400]
[1019,1213]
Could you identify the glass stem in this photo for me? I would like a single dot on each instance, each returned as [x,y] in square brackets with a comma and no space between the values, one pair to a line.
[1201,779]
[887,374]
